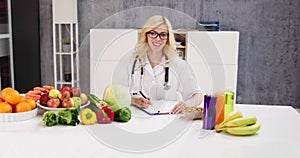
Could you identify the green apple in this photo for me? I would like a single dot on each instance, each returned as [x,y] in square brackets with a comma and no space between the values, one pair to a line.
[54,93]
[84,98]
[77,101]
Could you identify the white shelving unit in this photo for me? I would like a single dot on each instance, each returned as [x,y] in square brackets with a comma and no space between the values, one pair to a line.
[65,27]
[6,48]
[181,39]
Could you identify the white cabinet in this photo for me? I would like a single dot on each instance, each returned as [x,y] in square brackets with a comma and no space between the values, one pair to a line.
[6,48]
[213,57]
[108,48]
[65,43]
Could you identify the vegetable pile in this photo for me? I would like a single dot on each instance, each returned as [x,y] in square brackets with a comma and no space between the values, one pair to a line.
[118,98]
[113,107]
[120,114]
[68,116]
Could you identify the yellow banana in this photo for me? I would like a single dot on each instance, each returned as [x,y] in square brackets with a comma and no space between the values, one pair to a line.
[243,130]
[244,121]
[231,116]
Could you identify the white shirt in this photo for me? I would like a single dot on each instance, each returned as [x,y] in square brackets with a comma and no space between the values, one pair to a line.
[182,83]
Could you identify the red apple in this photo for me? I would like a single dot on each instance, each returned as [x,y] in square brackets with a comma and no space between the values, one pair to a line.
[43,99]
[65,88]
[65,94]
[84,98]
[75,91]
[53,103]
[67,103]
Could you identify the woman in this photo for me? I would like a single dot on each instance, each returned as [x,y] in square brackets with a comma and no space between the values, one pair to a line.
[156,71]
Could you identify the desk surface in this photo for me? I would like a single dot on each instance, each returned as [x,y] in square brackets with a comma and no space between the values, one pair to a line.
[157,136]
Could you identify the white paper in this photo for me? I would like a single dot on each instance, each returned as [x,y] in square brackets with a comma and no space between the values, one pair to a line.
[161,106]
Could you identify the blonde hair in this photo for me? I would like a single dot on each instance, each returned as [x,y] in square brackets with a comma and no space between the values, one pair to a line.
[142,46]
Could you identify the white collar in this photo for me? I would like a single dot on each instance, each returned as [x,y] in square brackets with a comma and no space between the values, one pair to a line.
[162,62]
[157,69]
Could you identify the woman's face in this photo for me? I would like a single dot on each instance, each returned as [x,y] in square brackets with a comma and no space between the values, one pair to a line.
[157,38]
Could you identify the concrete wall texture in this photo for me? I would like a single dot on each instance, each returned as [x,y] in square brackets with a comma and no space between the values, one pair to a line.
[269,60]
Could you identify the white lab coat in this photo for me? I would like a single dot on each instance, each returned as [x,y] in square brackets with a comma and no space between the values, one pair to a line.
[182,82]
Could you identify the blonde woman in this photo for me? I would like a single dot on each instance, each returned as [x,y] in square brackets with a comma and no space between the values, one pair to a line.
[155,71]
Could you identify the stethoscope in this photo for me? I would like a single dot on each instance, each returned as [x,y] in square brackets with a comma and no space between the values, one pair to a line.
[166,85]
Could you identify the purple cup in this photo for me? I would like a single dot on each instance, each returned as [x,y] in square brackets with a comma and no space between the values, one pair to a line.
[209,119]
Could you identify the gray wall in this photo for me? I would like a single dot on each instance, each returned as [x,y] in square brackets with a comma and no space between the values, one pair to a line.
[269,61]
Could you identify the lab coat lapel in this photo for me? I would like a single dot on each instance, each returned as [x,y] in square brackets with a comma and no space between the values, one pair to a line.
[148,68]
[158,69]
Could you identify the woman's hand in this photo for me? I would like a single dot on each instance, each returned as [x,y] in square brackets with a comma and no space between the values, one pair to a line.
[178,108]
[196,99]
[141,102]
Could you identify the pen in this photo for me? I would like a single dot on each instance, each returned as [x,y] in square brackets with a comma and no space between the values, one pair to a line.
[163,113]
[143,95]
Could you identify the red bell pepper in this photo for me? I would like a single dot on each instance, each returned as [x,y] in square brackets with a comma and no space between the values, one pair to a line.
[105,114]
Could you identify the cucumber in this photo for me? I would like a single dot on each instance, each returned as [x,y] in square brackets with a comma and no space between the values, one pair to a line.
[94,99]
[96,103]
[93,107]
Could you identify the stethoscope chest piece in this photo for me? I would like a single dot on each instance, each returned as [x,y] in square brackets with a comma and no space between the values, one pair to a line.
[166,86]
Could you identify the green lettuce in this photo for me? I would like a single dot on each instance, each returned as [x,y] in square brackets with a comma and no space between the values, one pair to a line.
[50,118]
[68,116]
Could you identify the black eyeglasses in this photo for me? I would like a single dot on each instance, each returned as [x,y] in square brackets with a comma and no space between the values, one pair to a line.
[154,34]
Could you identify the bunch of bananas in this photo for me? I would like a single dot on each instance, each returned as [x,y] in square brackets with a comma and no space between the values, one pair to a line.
[236,124]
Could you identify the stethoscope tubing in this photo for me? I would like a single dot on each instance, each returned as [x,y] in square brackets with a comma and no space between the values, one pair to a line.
[166,80]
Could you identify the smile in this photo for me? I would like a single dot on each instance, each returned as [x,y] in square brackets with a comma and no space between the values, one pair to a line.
[156,44]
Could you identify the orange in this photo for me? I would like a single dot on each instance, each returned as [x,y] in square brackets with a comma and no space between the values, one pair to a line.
[5,92]
[5,108]
[31,102]
[22,98]
[22,107]
[12,97]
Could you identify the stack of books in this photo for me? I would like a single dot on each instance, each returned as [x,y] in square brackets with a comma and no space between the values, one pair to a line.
[209,26]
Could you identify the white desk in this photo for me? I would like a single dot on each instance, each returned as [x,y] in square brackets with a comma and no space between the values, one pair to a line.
[278,137]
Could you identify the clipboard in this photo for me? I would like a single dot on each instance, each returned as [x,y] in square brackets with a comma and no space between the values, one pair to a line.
[159,108]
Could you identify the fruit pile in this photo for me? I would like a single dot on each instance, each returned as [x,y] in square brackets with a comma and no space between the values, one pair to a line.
[236,124]
[65,97]
[11,101]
